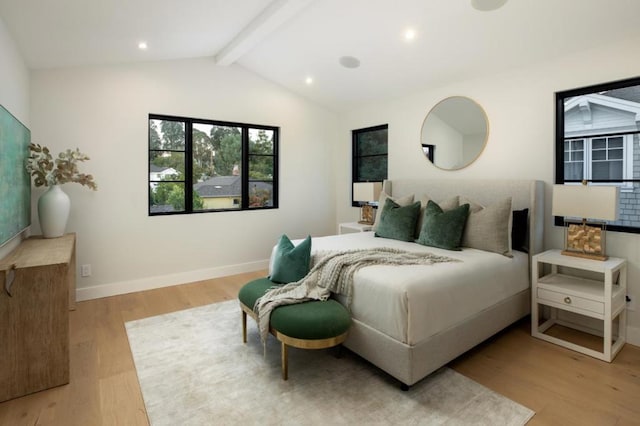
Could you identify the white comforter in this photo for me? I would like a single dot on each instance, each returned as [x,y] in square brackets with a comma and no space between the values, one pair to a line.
[412,303]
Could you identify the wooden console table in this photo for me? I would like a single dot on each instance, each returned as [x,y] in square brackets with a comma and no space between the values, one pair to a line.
[34,315]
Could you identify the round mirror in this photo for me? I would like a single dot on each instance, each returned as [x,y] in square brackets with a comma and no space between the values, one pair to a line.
[454,133]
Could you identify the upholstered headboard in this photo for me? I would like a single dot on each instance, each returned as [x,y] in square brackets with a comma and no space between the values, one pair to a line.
[524,194]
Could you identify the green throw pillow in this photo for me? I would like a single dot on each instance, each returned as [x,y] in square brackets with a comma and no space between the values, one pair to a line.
[443,229]
[398,222]
[290,263]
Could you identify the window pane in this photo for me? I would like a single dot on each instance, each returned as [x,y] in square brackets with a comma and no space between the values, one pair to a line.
[219,152]
[615,142]
[577,156]
[261,167]
[598,143]
[372,142]
[573,171]
[166,197]
[372,168]
[607,170]
[203,153]
[616,154]
[260,194]
[166,165]
[166,135]
[577,145]
[260,141]
[599,155]
[218,193]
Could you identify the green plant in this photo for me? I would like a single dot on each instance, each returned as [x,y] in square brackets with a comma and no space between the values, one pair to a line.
[47,171]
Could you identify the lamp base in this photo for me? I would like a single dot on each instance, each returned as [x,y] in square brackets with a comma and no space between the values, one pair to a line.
[585,255]
[366,215]
[585,240]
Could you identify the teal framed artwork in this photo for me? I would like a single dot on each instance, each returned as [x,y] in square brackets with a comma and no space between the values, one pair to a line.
[15,182]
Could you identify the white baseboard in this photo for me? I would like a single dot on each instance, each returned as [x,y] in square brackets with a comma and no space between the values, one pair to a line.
[150,283]
[633,335]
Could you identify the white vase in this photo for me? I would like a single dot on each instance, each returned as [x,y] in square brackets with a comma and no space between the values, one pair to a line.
[53,212]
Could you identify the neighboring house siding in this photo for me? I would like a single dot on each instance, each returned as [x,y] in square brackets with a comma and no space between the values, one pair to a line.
[220,203]
[630,200]
[160,174]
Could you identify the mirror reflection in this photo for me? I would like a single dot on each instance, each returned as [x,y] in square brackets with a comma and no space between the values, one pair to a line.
[454,133]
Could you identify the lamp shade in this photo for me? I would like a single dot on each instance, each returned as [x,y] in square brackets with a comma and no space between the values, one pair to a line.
[367,191]
[588,202]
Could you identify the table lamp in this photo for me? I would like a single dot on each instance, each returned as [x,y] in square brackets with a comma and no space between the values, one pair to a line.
[585,237]
[367,193]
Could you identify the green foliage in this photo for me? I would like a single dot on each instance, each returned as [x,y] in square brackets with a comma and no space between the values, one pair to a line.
[261,159]
[155,143]
[174,160]
[259,197]
[228,153]
[172,135]
[173,194]
[203,156]
[371,152]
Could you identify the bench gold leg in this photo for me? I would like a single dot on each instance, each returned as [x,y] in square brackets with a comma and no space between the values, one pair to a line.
[244,327]
[285,361]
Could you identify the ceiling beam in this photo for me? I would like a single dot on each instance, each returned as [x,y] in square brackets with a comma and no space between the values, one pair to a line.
[273,16]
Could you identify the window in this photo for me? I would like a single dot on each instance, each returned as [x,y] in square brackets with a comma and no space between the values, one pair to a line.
[597,140]
[204,165]
[369,155]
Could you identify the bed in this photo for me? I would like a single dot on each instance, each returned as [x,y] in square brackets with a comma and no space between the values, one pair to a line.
[411,320]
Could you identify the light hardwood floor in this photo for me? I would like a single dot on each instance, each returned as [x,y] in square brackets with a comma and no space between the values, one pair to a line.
[561,386]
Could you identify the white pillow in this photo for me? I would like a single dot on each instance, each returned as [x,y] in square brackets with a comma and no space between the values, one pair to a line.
[401,201]
[489,227]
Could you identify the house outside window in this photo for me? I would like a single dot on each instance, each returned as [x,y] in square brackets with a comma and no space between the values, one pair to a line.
[198,165]
[369,155]
[598,140]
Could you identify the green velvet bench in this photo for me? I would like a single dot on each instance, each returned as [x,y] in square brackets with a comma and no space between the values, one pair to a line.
[308,325]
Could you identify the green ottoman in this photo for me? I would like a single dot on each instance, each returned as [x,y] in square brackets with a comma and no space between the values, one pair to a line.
[308,325]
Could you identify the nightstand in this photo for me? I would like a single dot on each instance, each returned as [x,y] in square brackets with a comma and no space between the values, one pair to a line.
[351,227]
[602,298]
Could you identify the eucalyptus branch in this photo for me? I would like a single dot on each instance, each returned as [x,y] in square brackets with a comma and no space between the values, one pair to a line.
[47,172]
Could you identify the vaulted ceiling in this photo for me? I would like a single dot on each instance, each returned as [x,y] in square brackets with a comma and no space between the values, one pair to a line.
[288,41]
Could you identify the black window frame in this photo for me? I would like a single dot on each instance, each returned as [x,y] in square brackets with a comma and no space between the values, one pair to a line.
[354,157]
[188,152]
[560,139]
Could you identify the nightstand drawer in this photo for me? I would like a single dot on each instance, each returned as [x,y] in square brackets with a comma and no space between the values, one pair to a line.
[570,300]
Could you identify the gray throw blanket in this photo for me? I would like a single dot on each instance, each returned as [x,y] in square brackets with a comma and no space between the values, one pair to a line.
[334,273]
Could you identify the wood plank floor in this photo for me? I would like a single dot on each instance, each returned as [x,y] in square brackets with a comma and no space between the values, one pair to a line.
[563,387]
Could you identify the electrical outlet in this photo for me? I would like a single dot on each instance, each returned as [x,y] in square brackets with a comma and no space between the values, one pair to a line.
[631,304]
[85,270]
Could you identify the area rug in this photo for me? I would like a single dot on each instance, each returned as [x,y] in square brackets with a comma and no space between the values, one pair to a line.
[194,370]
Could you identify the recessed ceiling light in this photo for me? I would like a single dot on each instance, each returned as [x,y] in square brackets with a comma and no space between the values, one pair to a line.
[142,45]
[308,80]
[409,34]
[487,5]
[349,62]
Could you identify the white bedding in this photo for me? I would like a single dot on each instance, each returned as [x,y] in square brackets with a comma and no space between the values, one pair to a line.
[413,303]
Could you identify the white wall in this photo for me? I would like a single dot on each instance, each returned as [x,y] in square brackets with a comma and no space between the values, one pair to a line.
[104,112]
[520,107]
[14,93]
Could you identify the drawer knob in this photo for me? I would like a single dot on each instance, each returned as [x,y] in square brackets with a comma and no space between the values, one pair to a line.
[567,300]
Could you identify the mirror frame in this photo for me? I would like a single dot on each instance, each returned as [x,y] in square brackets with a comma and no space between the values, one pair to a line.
[428,150]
